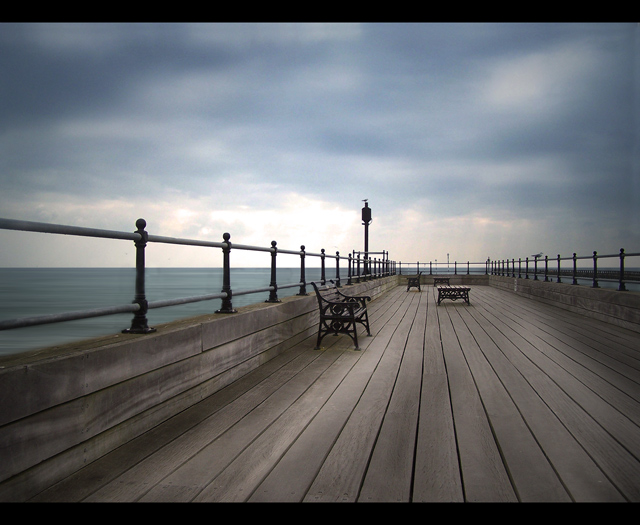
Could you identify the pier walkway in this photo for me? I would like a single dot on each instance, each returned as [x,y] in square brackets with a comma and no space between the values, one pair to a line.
[507,399]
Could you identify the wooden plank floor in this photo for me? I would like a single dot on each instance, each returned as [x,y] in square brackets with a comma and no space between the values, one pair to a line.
[503,400]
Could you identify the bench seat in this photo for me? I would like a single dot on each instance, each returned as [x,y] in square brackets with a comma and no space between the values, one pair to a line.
[453,292]
[340,313]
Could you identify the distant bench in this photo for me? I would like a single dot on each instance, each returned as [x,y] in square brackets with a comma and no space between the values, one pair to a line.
[453,292]
[440,280]
[414,281]
[339,313]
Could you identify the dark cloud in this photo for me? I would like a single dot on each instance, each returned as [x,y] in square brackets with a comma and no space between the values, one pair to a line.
[501,119]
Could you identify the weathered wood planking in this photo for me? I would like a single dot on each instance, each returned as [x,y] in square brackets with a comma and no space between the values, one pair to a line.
[504,400]
[437,471]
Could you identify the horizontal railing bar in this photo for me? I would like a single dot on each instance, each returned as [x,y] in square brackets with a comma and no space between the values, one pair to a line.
[67,316]
[252,248]
[189,242]
[292,285]
[184,300]
[42,227]
[256,290]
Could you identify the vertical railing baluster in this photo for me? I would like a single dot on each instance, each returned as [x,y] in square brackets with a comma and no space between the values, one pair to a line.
[559,278]
[303,279]
[139,323]
[323,279]
[338,285]
[358,269]
[575,269]
[526,268]
[546,268]
[595,270]
[519,267]
[349,282]
[273,294]
[621,285]
[227,306]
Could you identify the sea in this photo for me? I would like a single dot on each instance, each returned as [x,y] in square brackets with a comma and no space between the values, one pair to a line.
[27,292]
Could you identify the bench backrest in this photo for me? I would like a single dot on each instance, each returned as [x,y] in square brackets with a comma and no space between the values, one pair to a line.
[327,292]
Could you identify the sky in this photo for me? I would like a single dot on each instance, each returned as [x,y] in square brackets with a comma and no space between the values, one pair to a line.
[469,140]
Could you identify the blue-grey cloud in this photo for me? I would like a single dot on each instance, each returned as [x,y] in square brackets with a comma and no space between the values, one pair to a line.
[513,121]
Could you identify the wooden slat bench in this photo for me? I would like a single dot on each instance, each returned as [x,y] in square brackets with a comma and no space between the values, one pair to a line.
[340,313]
[440,280]
[453,292]
[414,281]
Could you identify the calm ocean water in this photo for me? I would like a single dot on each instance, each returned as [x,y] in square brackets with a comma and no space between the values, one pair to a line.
[26,292]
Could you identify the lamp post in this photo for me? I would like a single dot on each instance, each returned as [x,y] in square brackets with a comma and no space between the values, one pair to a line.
[366,220]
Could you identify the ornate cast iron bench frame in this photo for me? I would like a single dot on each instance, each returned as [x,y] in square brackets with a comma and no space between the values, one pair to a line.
[453,292]
[340,314]
[414,280]
[440,280]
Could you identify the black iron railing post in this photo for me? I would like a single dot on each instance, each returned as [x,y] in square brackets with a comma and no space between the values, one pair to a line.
[303,279]
[621,285]
[323,278]
[338,285]
[526,268]
[519,267]
[227,306]
[349,274]
[546,268]
[575,269]
[559,279]
[595,270]
[358,269]
[535,268]
[273,294]
[513,267]
[139,323]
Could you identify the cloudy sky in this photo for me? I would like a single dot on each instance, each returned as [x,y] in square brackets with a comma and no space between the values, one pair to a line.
[474,140]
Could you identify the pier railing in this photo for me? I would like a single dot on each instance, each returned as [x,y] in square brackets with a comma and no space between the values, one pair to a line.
[547,269]
[541,268]
[448,268]
[358,269]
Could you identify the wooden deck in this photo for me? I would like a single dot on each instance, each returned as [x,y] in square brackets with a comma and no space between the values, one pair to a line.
[503,400]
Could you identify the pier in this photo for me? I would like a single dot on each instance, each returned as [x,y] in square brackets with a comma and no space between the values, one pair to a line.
[531,393]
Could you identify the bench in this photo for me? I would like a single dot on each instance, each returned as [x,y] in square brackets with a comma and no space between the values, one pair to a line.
[414,280]
[440,280]
[339,313]
[453,292]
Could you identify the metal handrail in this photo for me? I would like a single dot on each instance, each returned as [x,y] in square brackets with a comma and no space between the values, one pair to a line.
[501,267]
[140,305]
